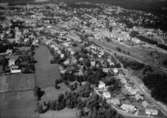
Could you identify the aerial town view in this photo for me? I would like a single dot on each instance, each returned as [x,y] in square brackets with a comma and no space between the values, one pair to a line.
[83,59]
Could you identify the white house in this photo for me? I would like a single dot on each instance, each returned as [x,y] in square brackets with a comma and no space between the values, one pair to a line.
[145,104]
[115,70]
[106,70]
[128,108]
[11,62]
[93,63]
[9,51]
[107,95]
[66,62]
[61,56]
[15,69]
[114,101]
[101,85]
[150,112]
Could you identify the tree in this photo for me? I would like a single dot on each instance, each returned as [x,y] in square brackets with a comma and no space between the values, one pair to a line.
[57,81]
[134,34]
[115,86]
[38,93]
[165,62]
[61,102]
[42,107]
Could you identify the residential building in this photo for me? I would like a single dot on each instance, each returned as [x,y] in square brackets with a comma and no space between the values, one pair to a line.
[128,108]
[152,112]
[106,95]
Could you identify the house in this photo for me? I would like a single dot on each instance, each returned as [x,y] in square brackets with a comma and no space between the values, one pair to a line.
[131,90]
[11,62]
[110,62]
[62,70]
[66,44]
[145,104]
[106,95]
[35,42]
[101,85]
[9,51]
[106,70]
[54,47]
[93,63]
[73,60]
[114,101]
[72,52]
[79,73]
[128,108]
[150,112]
[66,62]
[61,56]
[15,69]
[115,70]
[139,97]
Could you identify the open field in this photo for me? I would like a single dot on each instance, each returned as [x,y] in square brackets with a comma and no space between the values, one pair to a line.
[18,105]
[17,99]
[65,113]
[46,73]
[51,93]
[16,82]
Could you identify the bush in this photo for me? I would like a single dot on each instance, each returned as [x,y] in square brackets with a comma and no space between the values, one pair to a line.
[38,93]
[165,63]
[42,107]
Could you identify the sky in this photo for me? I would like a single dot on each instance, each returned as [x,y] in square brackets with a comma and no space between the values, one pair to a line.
[41,0]
[83,0]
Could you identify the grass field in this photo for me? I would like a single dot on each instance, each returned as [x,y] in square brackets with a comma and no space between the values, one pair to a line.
[51,93]
[65,113]
[18,105]
[17,99]
[16,82]
[46,73]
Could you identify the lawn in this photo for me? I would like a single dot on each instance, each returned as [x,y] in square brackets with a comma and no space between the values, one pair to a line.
[13,102]
[16,82]
[65,113]
[46,73]
[18,105]
[51,93]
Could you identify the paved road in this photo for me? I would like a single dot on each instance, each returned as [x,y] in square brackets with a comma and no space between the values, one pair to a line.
[113,49]
[123,113]
[134,79]
[147,95]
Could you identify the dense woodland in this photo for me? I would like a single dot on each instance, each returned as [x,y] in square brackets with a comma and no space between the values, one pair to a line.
[157,82]
[89,107]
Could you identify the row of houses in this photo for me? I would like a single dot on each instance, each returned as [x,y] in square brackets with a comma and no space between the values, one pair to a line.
[102,91]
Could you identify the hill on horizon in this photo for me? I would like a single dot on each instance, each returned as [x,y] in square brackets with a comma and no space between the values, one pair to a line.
[154,6]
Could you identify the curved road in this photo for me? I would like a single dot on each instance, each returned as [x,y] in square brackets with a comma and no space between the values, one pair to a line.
[134,80]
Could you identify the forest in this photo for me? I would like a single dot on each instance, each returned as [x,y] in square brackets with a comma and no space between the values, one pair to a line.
[157,82]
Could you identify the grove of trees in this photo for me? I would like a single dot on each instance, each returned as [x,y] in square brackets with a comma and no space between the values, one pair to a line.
[89,107]
[157,82]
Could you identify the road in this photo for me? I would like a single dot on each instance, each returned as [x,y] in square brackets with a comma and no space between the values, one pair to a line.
[134,78]
[147,95]
[123,113]
[112,48]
